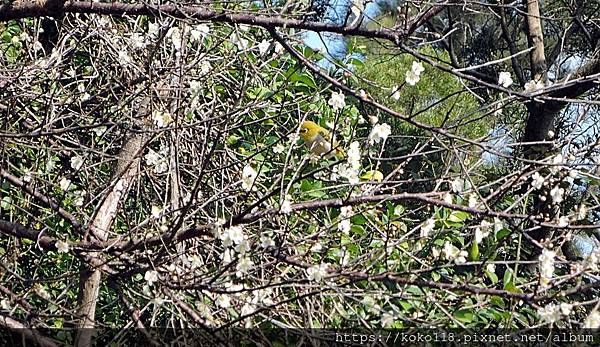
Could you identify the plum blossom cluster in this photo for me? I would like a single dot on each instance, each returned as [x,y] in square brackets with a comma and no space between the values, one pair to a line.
[505,79]
[546,265]
[413,76]
[351,169]
[337,101]
[380,132]
[344,225]
[452,253]
[248,177]
[552,312]
[317,272]
[236,238]
[158,160]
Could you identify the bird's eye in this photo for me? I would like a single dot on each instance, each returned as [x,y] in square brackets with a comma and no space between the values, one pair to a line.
[303,130]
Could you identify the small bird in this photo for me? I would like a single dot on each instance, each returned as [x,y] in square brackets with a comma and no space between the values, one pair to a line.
[318,140]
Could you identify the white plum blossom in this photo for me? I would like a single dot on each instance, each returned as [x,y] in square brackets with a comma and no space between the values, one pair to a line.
[233,235]
[161,119]
[557,194]
[452,252]
[427,227]
[24,37]
[248,177]
[491,268]
[582,212]
[205,67]
[286,205]
[150,277]
[549,313]
[266,241]
[563,221]
[199,32]
[316,247]
[537,180]
[152,29]
[316,272]
[263,46]
[124,57]
[505,79]
[227,256]
[79,198]
[65,184]
[346,211]
[472,200]
[532,86]
[223,301]
[566,308]
[239,41]
[344,226]
[77,162]
[482,231]
[337,100]
[137,40]
[413,76]
[99,131]
[155,211]
[379,132]
[346,171]
[460,185]
[279,148]
[62,246]
[592,321]
[243,266]
[158,161]
[546,266]
[448,198]
[279,48]
[354,155]
[243,246]
[557,161]
[498,225]
[195,261]
[387,319]
[174,34]
[50,165]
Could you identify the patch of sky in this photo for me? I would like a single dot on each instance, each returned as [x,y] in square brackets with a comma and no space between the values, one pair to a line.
[334,46]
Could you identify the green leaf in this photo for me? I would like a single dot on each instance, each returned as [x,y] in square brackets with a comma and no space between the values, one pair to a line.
[474,252]
[498,301]
[508,277]
[372,175]
[458,216]
[358,219]
[502,234]
[511,287]
[304,79]
[492,276]
[465,316]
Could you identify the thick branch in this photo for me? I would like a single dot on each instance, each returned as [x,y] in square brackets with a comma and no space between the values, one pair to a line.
[31,9]
[535,37]
[90,277]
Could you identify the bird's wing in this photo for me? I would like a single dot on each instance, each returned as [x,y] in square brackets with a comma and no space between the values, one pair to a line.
[325,134]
